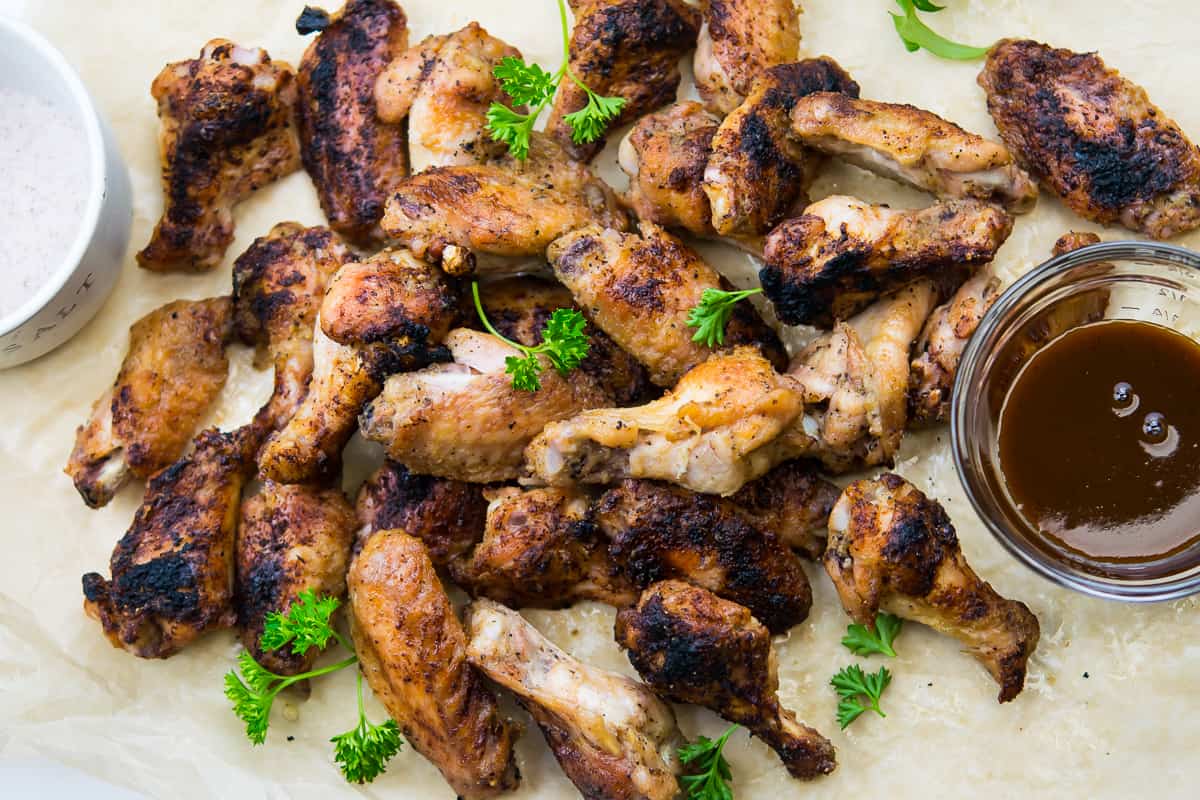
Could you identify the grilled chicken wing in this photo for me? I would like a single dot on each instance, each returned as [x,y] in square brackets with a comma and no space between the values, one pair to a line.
[173,372]
[542,550]
[1073,240]
[738,41]
[354,158]
[612,737]
[503,210]
[758,171]
[640,289]
[413,653]
[623,48]
[465,420]
[691,646]
[172,571]
[1093,138]
[913,146]
[227,130]
[278,284]
[792,502]
[444,86]
[842,254]
[291,539]
[659,531]
[727,421]
[893,549]
[448,517]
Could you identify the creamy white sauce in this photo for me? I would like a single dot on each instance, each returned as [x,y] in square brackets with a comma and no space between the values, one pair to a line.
[43,192]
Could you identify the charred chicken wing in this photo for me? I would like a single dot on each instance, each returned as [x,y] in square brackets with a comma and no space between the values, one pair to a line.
[792,502]
[739,40]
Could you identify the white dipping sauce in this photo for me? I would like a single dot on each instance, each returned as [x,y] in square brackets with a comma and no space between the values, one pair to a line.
[44,187]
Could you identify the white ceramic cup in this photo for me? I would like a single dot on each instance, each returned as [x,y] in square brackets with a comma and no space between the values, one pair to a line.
[74,289]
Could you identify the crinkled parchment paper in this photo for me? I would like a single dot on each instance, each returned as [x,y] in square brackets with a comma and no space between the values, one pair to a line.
[1110,709]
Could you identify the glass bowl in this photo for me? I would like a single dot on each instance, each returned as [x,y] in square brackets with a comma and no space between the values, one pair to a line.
[1139,281]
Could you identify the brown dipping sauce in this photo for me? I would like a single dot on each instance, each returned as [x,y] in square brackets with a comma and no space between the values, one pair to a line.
[1100,442]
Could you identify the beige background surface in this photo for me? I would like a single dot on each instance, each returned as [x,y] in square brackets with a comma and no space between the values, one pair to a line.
[1128,729]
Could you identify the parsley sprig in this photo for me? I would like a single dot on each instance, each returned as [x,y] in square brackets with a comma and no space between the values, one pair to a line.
[711,315]
[711,779]
[916,34]
[863,641]
[530,85]
[361,753]
[852,684]
[564,344]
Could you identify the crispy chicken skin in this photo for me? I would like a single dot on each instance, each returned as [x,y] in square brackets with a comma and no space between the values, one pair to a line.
[444,86]
[738,41]
[172,571]
[691,646]
[792,502]
[174,370]
[842,254]
[290,539]
[465,420]
[913,146]
[1071,241]
[893,549]
[659,531]
[665,155]
[503,210]
[1093,138]
[541,550]
[227,130]
[413,653]
[639,289]
[278,284]
[390,295]
[623,48]
[728,421]
[612,737]
[448,517]
[354,158]
[758,171]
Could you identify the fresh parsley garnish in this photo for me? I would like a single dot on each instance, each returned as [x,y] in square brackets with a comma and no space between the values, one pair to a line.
[916,34]
[710,780]
[852,684]
[711,315]
[564,344]
[530,85]
[361,753]
[863,641]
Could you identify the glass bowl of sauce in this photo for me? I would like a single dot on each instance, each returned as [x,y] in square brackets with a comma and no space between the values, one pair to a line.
[1076,420]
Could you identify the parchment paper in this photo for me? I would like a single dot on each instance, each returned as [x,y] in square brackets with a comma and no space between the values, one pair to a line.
[1110,708]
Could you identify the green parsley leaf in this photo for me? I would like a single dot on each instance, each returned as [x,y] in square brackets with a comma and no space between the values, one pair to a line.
[916,34]
[526,84]
[511,128]
[589,123]
[852,684]
[306,625]
[711,779]
[524,371]
[362,753]
[711,315]
[564,344]
[863,641]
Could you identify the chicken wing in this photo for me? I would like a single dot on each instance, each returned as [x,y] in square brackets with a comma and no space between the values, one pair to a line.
[1073,240]
[738,41]
[503,210]
[227,130]
[444,86]
[542,550]
[842,254]
[690,646]
[758,171]
[640,290]
[465,420]
[278,284]
[1093,138]
[913,146]
[612,737]
[659,531]
[174,370]
[448,517]
[290,539]
[622,48]
[354,158]
[893,549]
[413,653]
[792,502]
[172,571]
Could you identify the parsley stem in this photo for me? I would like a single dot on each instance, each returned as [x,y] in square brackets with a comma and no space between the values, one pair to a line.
[566,37]
[483,318]
[342,641]
[316,673]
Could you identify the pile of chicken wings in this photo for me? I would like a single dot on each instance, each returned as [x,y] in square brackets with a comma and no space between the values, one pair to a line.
[682,484]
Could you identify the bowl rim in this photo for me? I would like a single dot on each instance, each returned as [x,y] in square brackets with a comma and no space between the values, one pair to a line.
[35,43]
[973,360]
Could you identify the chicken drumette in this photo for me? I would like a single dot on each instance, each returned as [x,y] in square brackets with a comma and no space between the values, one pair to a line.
[738,41]
[792,502]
